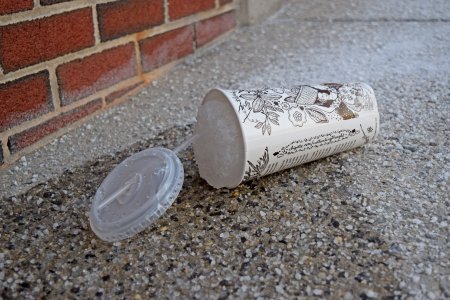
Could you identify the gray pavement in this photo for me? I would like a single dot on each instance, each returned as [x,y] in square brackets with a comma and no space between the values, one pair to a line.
[369,223]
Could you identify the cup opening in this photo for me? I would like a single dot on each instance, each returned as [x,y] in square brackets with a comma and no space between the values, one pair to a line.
[220,150]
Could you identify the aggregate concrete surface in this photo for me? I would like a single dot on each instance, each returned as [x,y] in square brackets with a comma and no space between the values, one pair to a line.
[368,223]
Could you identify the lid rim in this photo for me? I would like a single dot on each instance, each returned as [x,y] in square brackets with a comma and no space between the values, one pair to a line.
[173,183]
[164,190]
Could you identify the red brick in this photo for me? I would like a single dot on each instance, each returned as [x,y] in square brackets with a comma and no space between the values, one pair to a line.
[24,99]
[164,48]
[31,42]
[209,29]
[50,2]
[128,16]
[183,8]
[85,76]
[223,2]
[117,94]
[12,6]
[30,136]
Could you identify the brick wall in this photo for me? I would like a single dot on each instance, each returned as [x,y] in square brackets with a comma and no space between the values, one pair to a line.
[63,60]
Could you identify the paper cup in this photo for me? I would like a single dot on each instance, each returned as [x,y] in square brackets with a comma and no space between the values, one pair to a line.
[245,134]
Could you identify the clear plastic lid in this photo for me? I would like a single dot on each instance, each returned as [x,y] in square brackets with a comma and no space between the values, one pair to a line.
[136,193]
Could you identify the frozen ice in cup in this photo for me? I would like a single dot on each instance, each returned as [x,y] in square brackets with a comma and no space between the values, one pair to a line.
[239,135]
[244,134]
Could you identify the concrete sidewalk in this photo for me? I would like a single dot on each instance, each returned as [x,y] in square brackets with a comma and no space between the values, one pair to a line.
[369,223]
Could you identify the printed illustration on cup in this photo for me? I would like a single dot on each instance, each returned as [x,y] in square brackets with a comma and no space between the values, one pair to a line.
[303,105]
[257,168]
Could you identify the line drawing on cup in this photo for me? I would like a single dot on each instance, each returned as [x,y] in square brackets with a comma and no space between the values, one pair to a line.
[301,105]
[257,169]
[315,142]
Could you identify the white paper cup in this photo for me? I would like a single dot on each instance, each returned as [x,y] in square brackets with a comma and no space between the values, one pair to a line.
[245,134]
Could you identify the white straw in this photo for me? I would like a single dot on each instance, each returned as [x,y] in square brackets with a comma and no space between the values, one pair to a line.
[185,144]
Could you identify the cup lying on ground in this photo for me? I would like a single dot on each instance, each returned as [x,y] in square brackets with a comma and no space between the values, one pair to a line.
[245,134]
[239,135]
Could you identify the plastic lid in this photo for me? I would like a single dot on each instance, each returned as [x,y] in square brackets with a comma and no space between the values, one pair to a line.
[136,193]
